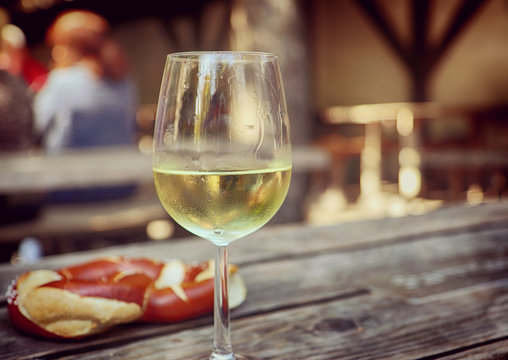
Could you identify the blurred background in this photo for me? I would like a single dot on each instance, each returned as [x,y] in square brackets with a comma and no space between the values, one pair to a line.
[397,107]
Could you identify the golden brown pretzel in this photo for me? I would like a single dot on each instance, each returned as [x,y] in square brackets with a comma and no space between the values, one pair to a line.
[77,301]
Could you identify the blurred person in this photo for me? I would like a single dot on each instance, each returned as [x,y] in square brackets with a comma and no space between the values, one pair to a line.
[16,135]
[89,99]
[16,59]
[16,116]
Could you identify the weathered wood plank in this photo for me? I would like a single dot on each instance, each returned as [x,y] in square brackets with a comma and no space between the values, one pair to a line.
[368,327]
[433,267]
[497,350]
[282,285]
[296,240]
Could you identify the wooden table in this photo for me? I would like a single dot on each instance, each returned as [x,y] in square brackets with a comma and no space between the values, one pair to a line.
[20,173]
[433,286]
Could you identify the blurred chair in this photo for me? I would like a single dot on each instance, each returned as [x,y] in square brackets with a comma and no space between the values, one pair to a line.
[328,196]
[342,149]
[430,152]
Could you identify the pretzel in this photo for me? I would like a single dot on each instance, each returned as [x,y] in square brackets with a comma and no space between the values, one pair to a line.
[79,301]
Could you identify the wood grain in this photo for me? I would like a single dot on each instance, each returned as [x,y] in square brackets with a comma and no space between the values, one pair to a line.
[366,327]
[426,287]
[287,241]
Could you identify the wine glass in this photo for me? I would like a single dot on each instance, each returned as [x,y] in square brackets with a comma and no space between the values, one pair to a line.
[222,154]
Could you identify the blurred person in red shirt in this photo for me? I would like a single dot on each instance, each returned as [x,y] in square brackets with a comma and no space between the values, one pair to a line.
[16,59]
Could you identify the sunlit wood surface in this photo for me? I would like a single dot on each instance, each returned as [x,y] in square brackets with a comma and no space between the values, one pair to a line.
[433,286]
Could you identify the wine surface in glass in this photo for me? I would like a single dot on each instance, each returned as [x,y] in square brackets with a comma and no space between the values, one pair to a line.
[222,206]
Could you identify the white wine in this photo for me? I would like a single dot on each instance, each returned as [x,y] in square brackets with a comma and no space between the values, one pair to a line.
[222,206]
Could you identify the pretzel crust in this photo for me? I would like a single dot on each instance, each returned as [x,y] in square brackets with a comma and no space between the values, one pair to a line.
[86,299]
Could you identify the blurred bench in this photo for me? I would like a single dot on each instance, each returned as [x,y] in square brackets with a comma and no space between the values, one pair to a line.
[71,227]
[102,167]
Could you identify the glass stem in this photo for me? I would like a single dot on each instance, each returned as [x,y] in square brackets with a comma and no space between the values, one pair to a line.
[222,349]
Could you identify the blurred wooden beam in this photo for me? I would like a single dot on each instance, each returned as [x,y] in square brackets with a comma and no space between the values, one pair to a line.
[463,16]
[420,15]
[419,57]
[419,60]
[371,8]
